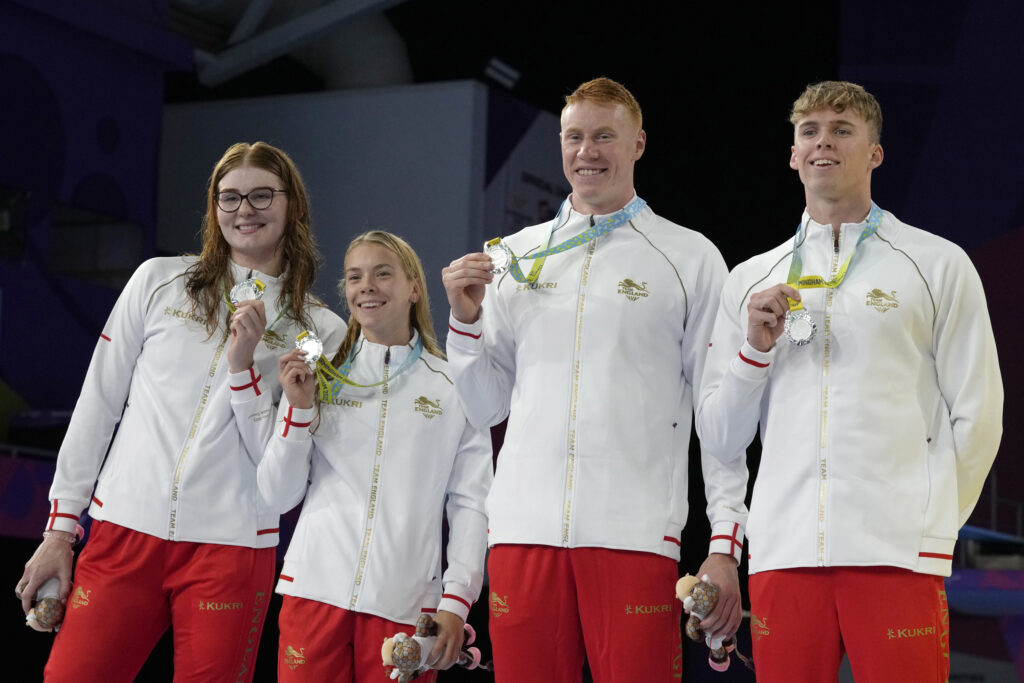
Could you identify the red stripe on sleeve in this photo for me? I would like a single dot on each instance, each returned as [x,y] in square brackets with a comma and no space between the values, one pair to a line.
[752,362]
[937,556]
[464,334]
[457,599]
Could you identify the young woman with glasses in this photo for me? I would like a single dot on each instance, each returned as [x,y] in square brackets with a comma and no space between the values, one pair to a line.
[186,366]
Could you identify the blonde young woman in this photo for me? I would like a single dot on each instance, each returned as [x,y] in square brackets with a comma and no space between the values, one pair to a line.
[181,537]
[377,462]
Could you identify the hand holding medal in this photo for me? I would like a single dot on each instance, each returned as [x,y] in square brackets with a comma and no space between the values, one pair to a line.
[296,370]
[329,379]
[800,327]
[768,316]
[247,323]
[465,281]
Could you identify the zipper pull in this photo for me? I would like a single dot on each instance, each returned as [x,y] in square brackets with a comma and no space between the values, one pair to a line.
[387,357]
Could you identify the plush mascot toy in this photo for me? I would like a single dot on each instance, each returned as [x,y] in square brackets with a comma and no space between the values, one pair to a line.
[48,611]
[408,654]
[699,597]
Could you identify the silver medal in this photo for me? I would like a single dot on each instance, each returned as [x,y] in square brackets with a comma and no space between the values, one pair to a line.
[247,290]
[311,344]
[501,256]
[800,327]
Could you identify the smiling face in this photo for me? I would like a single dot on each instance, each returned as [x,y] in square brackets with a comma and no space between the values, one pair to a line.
[254,236]
[379,293]
[600,144]
[834,153]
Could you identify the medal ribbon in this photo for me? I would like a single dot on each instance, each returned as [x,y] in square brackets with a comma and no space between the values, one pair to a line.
[816,281]
[330,380]
[620,217]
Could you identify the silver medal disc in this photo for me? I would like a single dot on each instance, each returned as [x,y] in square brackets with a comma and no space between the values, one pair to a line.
[247,290]
[311,344]
[501,257]
[800,327]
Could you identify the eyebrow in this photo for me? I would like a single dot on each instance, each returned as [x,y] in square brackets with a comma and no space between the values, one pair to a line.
[354,269]
[830,122]
[599,131]
[235,189]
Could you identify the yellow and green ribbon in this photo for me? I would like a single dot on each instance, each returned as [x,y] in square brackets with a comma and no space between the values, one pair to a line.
[330,380]
[796,281]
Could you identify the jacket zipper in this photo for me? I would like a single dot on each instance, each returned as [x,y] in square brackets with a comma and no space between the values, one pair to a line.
[569,495]
[823,462]
[371,510]
[197,420]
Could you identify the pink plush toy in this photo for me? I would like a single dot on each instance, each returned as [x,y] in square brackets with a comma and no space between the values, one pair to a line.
[699,598]
[408,654]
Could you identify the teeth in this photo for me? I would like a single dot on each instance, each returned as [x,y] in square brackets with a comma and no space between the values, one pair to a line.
[588,171]
[824,162]
[372,304]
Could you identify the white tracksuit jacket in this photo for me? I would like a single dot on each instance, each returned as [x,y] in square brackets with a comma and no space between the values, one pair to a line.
[183,464]
[878,434]
[596,366]
[382,465]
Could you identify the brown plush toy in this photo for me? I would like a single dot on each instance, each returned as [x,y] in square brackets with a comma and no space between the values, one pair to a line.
[408,654]
[699,597]
[48,612]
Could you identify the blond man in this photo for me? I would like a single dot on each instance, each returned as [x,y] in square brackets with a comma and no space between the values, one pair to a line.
[862,348]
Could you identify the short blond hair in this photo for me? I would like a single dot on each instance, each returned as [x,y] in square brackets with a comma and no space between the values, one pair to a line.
[606,91]
[840,96]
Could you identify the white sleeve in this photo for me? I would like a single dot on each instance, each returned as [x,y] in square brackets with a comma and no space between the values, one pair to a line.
[468,485]
[482,358]
[725,486]
[254,397]
[252,402]
[968,377]
[101,403]
[283,473]
[725,480]
[734,381]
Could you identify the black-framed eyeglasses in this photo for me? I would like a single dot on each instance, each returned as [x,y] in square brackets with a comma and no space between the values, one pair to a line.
[259,199]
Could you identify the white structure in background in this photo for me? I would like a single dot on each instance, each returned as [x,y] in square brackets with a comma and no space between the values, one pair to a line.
[407,159]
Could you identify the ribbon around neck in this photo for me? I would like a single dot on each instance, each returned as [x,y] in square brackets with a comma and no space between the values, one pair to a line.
[796,281]
[331,380]
[620,217]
